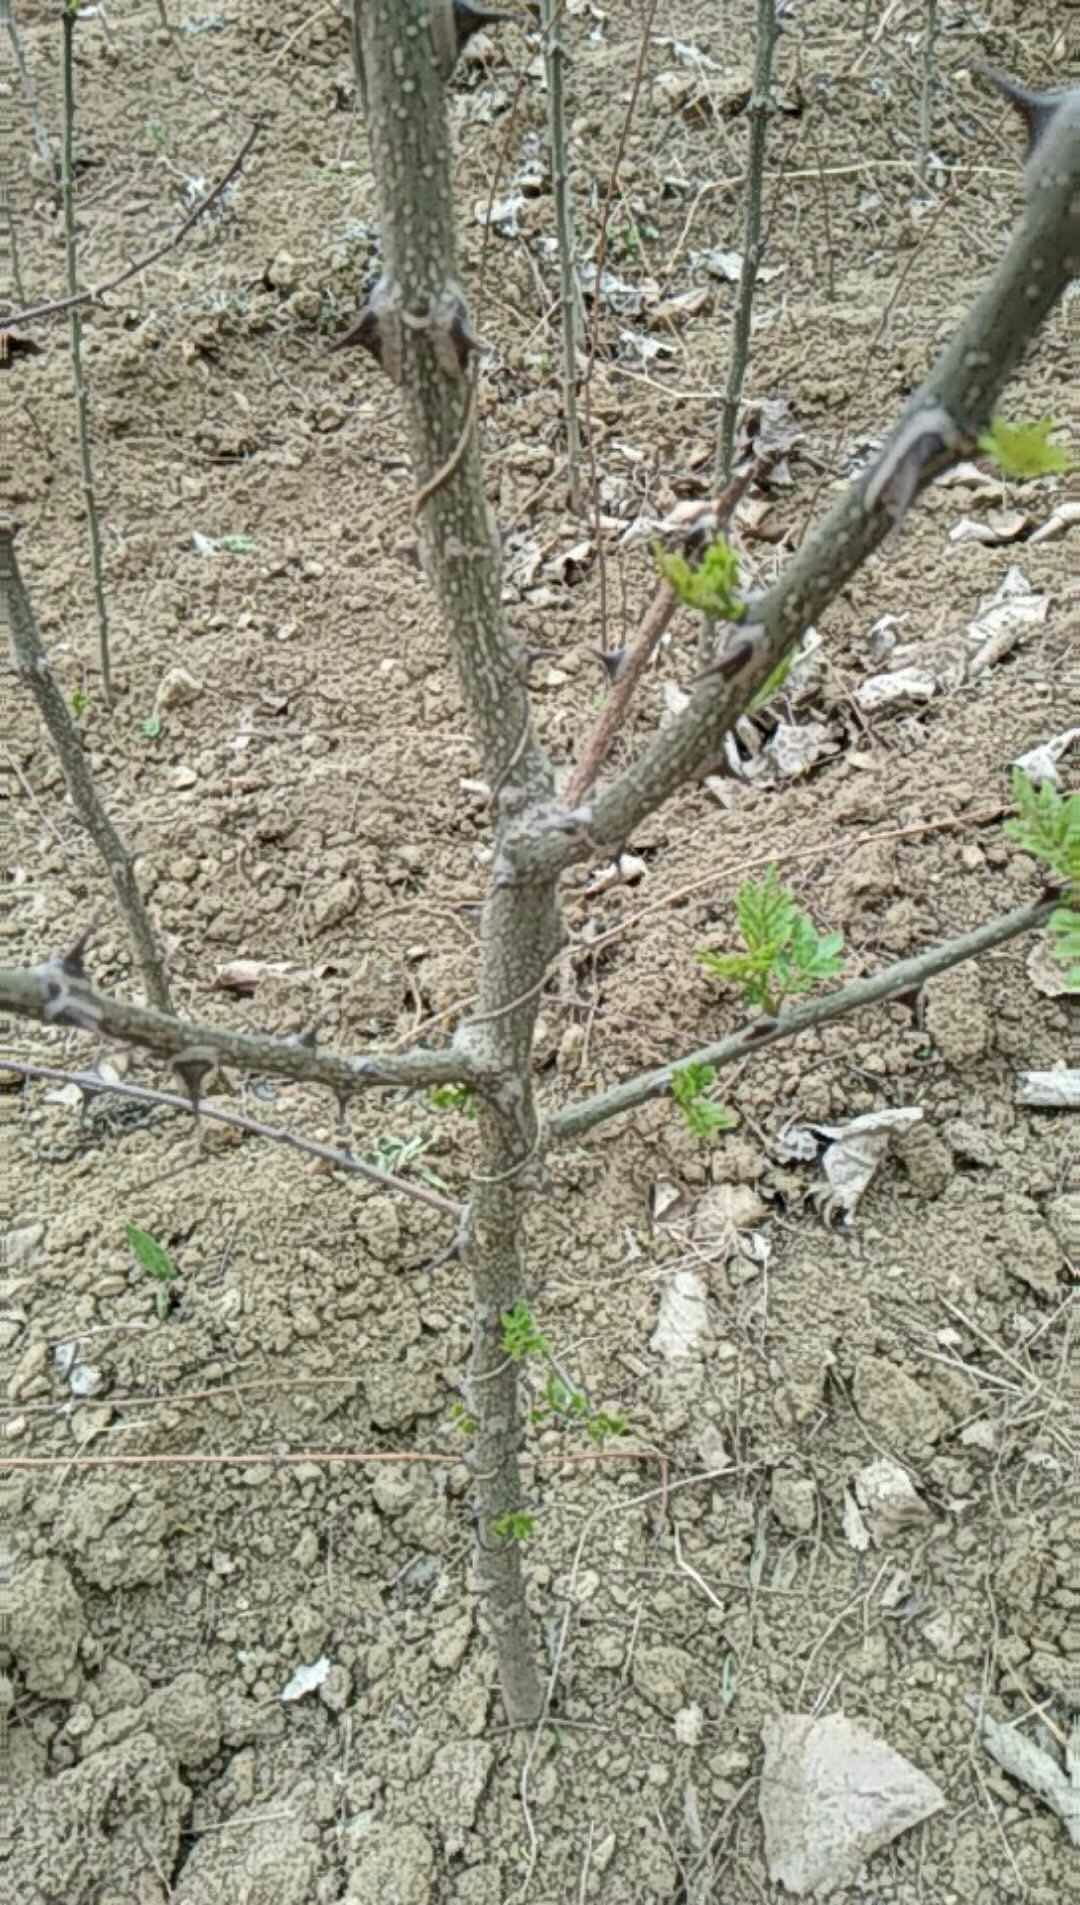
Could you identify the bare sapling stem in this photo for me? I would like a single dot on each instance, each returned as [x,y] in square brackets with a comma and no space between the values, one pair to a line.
[571,314]
[67,181]
[765,38]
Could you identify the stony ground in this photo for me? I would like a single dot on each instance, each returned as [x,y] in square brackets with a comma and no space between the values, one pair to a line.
[304,800]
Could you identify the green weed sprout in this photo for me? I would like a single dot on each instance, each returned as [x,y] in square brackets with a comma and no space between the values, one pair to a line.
[1048,827]
[521,1338]
[785,954]
[1023,450]
[397,1155]
[155,1260]
[515,1527]
[453,1098]
[690,1087]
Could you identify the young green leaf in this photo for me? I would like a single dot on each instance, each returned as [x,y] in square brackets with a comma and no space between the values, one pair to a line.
[150,1255]
[1047,826]
[711,585]
[453,1098]
[784,954]
[520,1336]
[1065,940]
[690,1086]
[514,1527]
[1023,451]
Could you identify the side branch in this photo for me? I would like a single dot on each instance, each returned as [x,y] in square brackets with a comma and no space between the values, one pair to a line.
[32,665]
[58,994]
[941,424]
[907,975]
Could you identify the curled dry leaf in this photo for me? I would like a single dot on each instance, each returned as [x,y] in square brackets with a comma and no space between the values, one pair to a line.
[888,1499]
[1040,763]
[853,1156]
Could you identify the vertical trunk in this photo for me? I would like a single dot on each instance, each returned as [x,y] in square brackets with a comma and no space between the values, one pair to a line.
[417,326]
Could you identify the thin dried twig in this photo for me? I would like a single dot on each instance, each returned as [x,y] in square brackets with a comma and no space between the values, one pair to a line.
[94,293]
[252,1127]
[632,666]
[32,664]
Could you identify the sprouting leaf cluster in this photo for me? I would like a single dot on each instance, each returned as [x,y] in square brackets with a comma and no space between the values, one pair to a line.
[560,1398]
[709,585]
[1023,450]
[690,1088]
[785,954]
[517,1526]
[1047,826]
[453,1098]
[521,1338]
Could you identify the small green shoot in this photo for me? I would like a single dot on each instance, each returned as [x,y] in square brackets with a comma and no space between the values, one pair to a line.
[711,585]
[236,545]
[515,1527]
[1048,827]
[151,727]
[453,1098]
[561,1399]
[395,1155]
[464,1423]
[690,1087]
[155,1260]
[773,683]
[1023,450]
[520,1336]
[785,954]
[79,702]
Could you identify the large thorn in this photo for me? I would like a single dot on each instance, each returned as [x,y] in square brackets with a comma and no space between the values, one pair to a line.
[1035,109]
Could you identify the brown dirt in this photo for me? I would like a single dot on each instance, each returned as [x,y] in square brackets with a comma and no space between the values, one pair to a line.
[307,806]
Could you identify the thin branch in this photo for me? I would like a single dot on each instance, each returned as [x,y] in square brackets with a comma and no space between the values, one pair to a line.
[552,21]
[277,1134]
[656,619]
[95,293]
[907,975]
[765,37]
[632,666]
[939,426]
[55,993]
[32,665]
[41,137]
[67,186]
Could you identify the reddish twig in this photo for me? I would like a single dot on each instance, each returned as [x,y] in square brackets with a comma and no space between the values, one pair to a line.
[633,664]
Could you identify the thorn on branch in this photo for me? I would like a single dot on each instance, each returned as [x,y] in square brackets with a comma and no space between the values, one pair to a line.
[613,661]
[73,962]
[1037,110]
[192,1067]
[63,979]
[378,329]
[927,439]
[451,38]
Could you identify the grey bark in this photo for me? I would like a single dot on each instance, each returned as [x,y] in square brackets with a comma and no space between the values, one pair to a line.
[32,664]
[419,326]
